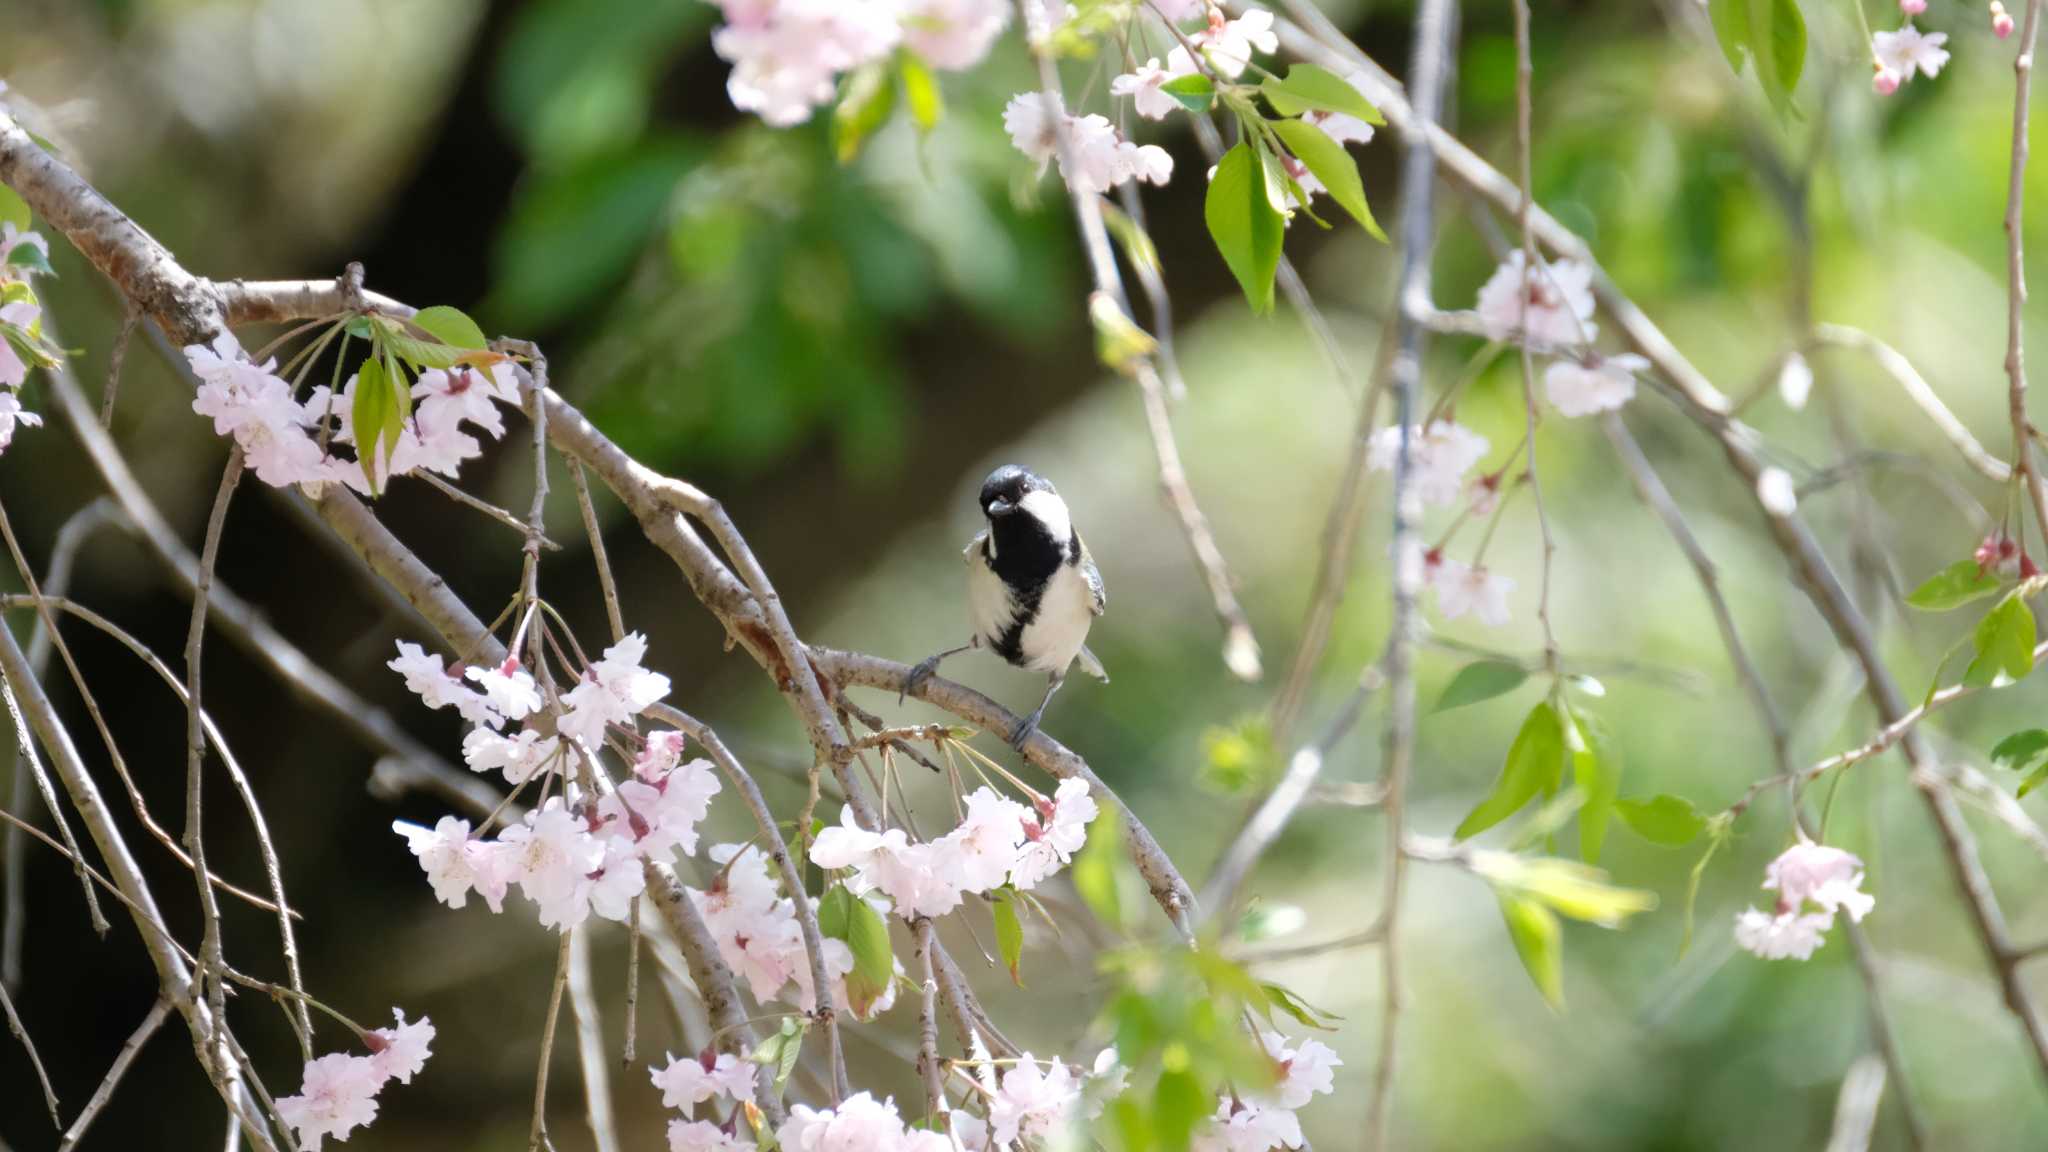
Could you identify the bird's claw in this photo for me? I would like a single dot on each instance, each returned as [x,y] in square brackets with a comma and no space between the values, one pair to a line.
[920,673]
[1025,730]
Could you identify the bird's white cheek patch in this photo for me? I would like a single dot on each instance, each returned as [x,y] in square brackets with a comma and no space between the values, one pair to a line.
[1048,509]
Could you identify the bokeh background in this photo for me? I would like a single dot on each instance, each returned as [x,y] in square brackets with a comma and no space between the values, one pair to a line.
[839,353]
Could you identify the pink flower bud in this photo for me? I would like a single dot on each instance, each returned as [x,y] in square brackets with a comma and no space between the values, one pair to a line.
[1885,82]
[1912,7]
[2001,25]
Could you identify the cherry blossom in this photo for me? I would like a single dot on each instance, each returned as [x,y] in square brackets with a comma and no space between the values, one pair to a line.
[509,688]
[1241,1126]
[860,1123]
[19,315]
[1462,589]
[953,34]
[456,864]
[703,1136]
[1145,86]
[12,414]
[1058,831]
[1031,1104]
[787,54]
[690,1081]
[1230,44]
[1826,876]
[986,842]
[1304,1072]
[1091,156]
[337,1096]
[399,1052]
[1558,303]
[1439,457]
[11,239]
[440,687]
[1906,53]
[518,757]
[1783,936]
[614,690]
[1595,384]
[1338,126]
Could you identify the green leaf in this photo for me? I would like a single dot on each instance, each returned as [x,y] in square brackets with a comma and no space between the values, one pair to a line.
[451,326]
[30,257]
[1135,241]
[1565,886]
[921,92]
[1009,933]
[371,415]
[1535,761]
[1596,770]
[1303,1012]
[13,209]
[1245,225]
[2020,750]
[1195,91]
[1482,680]
[844,916]
[1308,86]
[868,99]
[1772,34]
[1332,165]
[1101,876]
[1670,821]
[2033,781]
[1539,941]
[1179,1103]
[1954,586]
[1787,46]
[2005,645]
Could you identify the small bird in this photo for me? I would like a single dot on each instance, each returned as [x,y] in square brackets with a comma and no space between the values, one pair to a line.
[1032,588]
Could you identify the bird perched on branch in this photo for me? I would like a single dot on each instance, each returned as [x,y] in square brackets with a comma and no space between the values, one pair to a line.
[1032,588]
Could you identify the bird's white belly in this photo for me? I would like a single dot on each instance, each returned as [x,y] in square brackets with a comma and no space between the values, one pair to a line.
[989,605]
[1054,638]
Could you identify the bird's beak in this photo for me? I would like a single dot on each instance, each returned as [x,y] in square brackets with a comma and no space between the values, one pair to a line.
[1000,507]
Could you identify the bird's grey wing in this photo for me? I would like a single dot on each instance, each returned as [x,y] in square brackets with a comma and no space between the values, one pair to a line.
[1098,597]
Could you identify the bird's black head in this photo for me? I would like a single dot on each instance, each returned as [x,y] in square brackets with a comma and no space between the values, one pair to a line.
[1004,490]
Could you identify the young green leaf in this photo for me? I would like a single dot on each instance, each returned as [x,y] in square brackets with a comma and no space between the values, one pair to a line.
[1009,933]
[1179,1103]
[13,209]
[30,258]
[1535,761]
[864,106]
[372,410]
[844,916]
[1330,163]
[2020,750]
[1772,34]
[1311,87]
[1303,1012]
[1596,770]
[1100,875]
[1670,821]
[2032,781]
[451,326]
[1954,586]
[1565,886]
[1539,941]
[2005,644]
[1136,243]
[1481,680]
[1246,227]
[921,92]
[1195,91]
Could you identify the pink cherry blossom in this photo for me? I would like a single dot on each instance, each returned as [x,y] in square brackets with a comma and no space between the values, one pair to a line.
[1595,384]
[1145,87]
[509,688]
[1828,877]
[1463,589]
[457,864]
[518,757]
[12,414]
[692,1080]
[953,34]
[1555,309]
[1054,834]
[1230,45]
[1785,935]
[1304,1072]
[1909,52]
[440,687]
[1440,458]
[338,1094]
[399,1052]
[703,1136]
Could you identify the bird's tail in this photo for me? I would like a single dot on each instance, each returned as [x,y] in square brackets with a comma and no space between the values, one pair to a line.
[1091,665]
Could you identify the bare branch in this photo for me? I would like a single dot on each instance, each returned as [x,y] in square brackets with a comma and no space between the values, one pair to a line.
[112,1080]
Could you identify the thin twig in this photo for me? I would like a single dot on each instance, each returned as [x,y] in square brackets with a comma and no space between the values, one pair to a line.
[490,510]
[606,582]
[928,1019]
[1894,364]
[130,315]
[112,1080]
[1524,74]
[538,1134]
[2016,274]
[211,951]
[597,1089]
[35,1060]
[1433,33]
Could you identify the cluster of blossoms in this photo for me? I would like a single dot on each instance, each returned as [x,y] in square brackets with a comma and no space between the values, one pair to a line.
[761,939]
[338,1093]
[1551,309]
[1092,156]
[20,320]
[1259,1121]
[575,855]
[1829,879]
[787,55]
[287,441]
[1000,841]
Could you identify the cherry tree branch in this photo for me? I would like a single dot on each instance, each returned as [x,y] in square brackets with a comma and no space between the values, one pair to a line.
[2016,276]
[112,1080]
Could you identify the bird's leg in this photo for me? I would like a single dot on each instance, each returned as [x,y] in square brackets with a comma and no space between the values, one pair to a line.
[1029,724]
[930,664]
